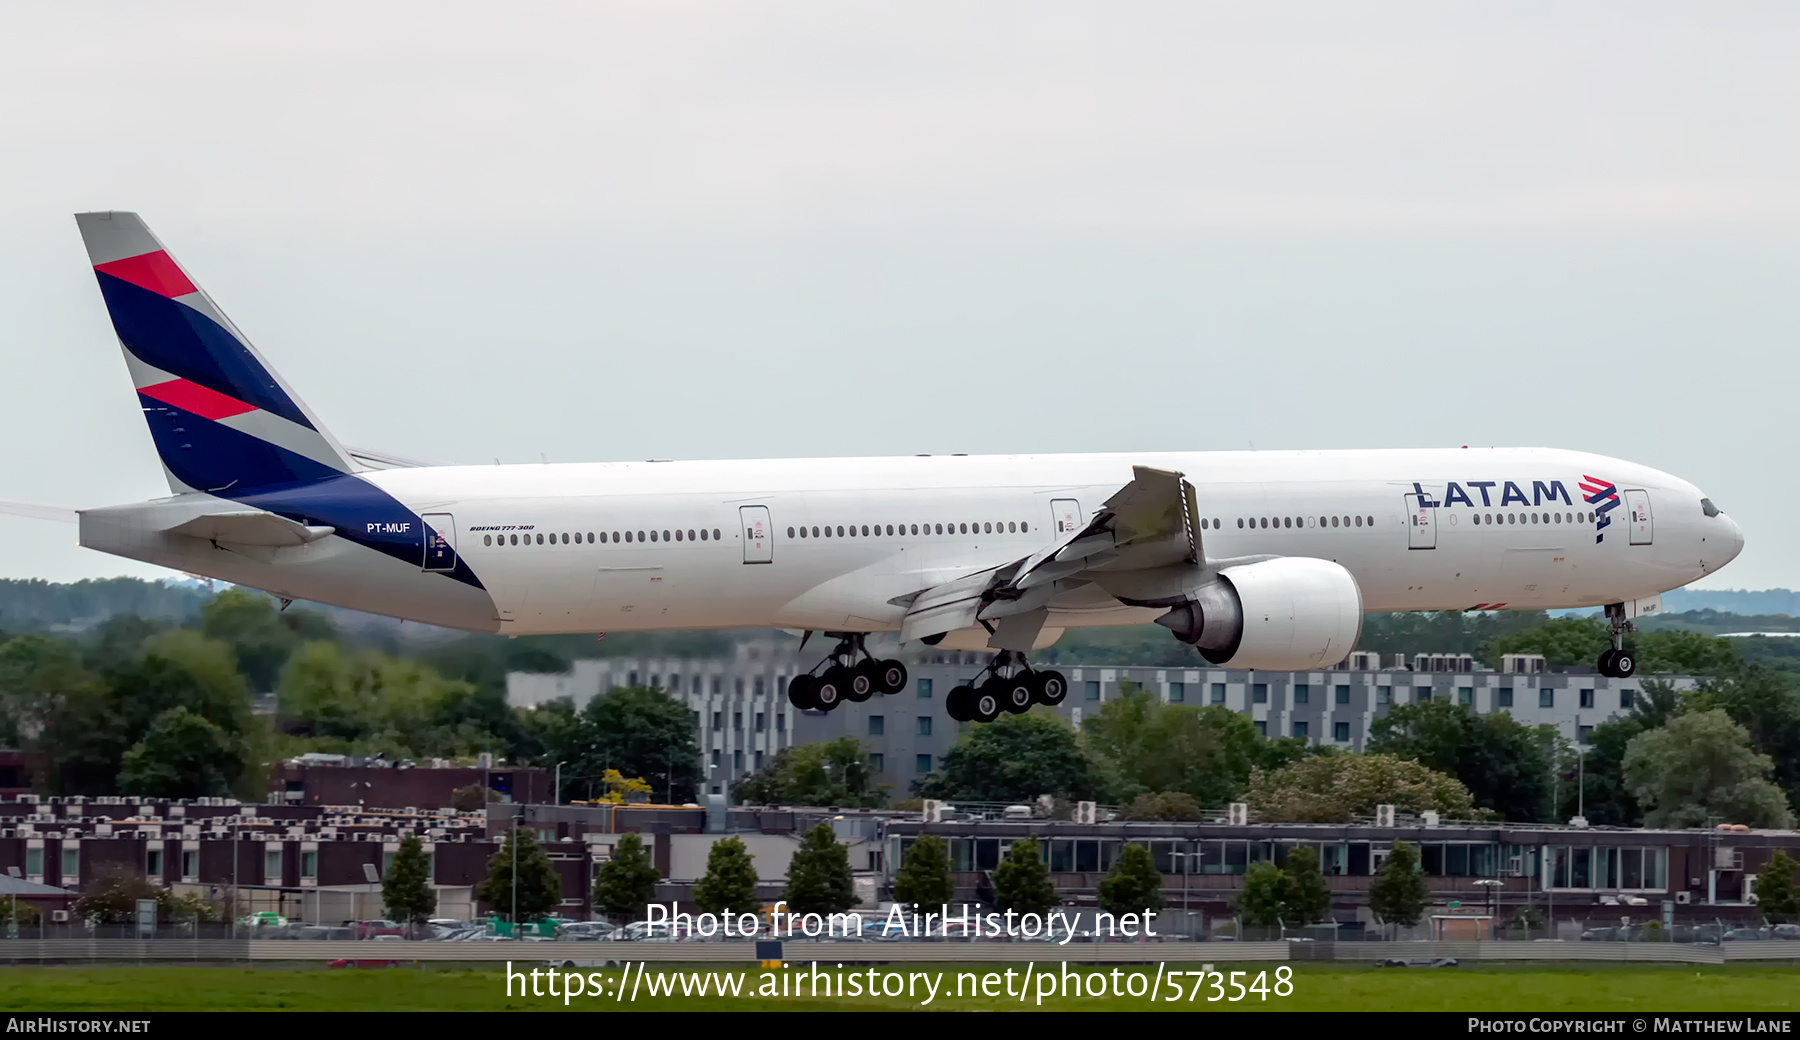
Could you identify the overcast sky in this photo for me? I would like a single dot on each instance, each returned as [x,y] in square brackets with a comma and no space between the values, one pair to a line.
[600,231]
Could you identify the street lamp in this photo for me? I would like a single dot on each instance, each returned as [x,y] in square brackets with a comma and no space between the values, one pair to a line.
[1493,911]
[1186,860]
[556,791]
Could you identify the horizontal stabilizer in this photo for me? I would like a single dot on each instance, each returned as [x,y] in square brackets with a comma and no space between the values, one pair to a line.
[250,528]
[57,513]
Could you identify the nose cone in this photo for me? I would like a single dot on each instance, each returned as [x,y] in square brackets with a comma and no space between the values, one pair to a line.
[1723,543]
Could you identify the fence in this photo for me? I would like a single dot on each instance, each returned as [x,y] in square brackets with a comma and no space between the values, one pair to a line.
[603,954]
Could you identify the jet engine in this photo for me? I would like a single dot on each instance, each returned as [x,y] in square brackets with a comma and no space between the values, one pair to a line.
[1287,614]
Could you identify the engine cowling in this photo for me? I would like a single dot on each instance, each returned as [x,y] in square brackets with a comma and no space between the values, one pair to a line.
[1286,614]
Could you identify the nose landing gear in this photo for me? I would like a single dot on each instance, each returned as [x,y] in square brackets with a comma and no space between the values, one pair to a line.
[1012,687]
[1618,662]
[845,677]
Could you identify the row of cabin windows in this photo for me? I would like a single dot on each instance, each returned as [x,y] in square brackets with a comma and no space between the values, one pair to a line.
[1300,521]
[565,538]
[893,530]
[1534,518]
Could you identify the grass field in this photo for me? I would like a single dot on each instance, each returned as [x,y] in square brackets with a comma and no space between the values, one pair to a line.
[1315,987]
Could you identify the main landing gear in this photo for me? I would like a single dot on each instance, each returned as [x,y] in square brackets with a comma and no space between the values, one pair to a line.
[1012,686]
[846,678]
[1617,663]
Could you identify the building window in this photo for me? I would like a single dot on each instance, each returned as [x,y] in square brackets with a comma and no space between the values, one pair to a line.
[1384,695]
[759,759]
[1177,692]
[1505,700]
[781,722]
[924,689]
[153,862]
[34,862]
[387,857]
[877,762]
[1582,733]
[922,764]
[1302,693]
[1218,693]
[190,863]
[1342,695]
[1546,697]
[737,761]
[737,720]
[1586,698]
[1422,695]
[1300,730]
[1465,696]
[71,865]
[1262,728]
[1093,690]
[715,756]
[1340,732]
[877,725]
[1259,693]
[1625,698]
[309,864]
[924,725]
[762,722]
[718,720]
[272,864]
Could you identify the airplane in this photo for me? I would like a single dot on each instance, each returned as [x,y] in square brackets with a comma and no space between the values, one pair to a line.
[1259,559]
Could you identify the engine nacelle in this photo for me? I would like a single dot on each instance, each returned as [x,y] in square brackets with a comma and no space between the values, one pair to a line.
[1286,614]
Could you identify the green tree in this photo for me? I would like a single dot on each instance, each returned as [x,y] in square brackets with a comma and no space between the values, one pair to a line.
[1400,893]
[1262,904]
[1134,885]
[260,635]
[1506,766]
[924,879]
[1565,640]
[1149,746]
[1777,895]
[730,880]
[642,732]
[1169,805]
[1308,897]
[39,678]
[626,883]
[1766,702]
[1338,788]
[1016,758]
[818,878]
[539,888]
[1675,652]
[183,756]
[406,889]
[830,772]
[1022,881]
[1700,766]
[1449,631]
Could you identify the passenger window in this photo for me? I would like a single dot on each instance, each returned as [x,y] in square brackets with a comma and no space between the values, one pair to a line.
[665,536]
[1240,523]
[715,534]
[1024,527]
[487,539]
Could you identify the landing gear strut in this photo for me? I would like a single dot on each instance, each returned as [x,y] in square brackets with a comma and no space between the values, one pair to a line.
[845,677]
[1617,663]
[1012,686]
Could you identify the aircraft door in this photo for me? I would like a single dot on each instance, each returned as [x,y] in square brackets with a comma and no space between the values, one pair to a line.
[1637,505]
[759,536]
[1422,525]
[1065,516]
[440,542]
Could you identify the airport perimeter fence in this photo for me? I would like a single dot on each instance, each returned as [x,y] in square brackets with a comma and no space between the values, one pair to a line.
[610,954]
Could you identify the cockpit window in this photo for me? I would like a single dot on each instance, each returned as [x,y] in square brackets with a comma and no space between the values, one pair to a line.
[1707,507]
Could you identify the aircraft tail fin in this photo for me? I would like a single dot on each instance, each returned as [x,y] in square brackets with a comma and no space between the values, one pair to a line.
[220,416]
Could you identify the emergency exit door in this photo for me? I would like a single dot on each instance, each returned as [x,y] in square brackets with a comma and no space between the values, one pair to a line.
[759,537]
[1637,513]
[440,542]
[1065,515]
[1422,523]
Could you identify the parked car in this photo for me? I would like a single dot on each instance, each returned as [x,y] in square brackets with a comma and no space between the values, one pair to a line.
[371,929]
[644,931]
[1746,935]
[1790,932]
[586,931]
[262,920]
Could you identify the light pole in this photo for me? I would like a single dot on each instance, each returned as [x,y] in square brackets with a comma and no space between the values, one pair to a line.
[1491,884]
[556,792]
[1581,782]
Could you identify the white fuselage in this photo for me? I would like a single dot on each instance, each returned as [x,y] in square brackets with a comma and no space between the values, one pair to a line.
[632,546]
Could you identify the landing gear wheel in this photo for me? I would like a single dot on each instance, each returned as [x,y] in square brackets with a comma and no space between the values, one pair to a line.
[800,692]
[1624,665]
[830,689]
[957,704]
[1050,687]
[863,682]
[985,705]
[1016,694]
[891,677]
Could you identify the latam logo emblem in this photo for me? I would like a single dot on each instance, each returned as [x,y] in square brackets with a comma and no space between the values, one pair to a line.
[1604,497]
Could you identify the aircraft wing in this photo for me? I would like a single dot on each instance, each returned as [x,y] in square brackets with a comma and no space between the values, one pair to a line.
[250,527]
[1143,544]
